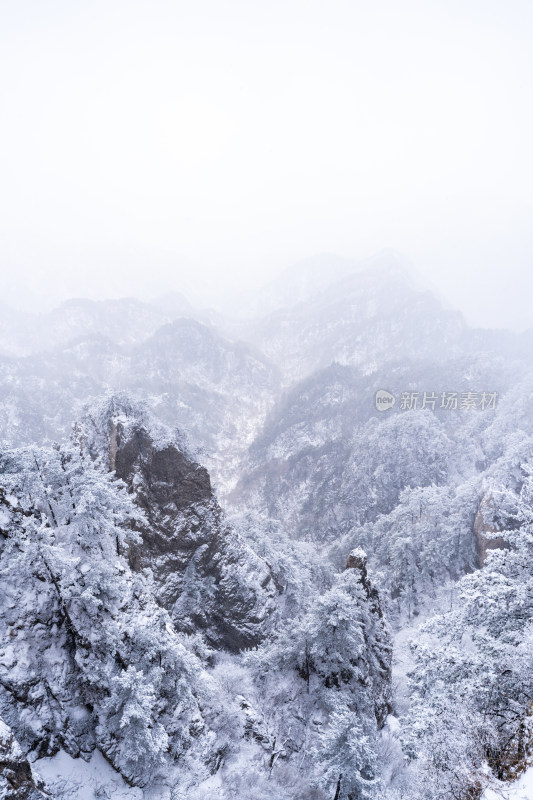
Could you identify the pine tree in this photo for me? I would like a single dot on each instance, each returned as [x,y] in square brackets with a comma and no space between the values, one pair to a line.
[346,754]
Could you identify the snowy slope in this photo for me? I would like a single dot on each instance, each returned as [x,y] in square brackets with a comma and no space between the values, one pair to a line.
[522,789]
[70,778]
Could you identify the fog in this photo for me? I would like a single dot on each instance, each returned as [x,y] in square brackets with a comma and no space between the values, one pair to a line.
[156,146]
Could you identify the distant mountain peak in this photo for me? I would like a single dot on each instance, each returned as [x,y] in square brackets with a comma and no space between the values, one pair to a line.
[311,276]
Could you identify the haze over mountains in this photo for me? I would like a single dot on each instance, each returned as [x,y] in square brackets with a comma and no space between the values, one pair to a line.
[215,547]
[220,376]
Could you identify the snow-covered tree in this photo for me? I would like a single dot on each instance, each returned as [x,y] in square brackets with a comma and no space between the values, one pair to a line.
[125,681]
[346,755]
[472,687]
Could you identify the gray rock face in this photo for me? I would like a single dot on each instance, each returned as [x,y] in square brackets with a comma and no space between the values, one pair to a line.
[357,560]
[486,525]
[16,777]
[379,641]
[204,573]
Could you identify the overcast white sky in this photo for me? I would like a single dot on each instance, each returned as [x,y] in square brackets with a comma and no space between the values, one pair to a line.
[144,145]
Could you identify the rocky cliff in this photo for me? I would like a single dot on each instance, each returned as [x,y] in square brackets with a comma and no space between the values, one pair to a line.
[203,572]
[17,781]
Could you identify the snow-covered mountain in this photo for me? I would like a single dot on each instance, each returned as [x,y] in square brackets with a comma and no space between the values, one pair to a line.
[311,276]
[125,321]
[367,318]
[92,660]
[218,391]
[227,572]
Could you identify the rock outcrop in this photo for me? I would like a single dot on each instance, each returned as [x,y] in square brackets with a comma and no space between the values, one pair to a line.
[378,640]
[204,573]
[17,781]
[486,528]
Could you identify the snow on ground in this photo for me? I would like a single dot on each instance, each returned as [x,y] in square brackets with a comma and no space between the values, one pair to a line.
[74,779]
[405,631]
[521,789]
